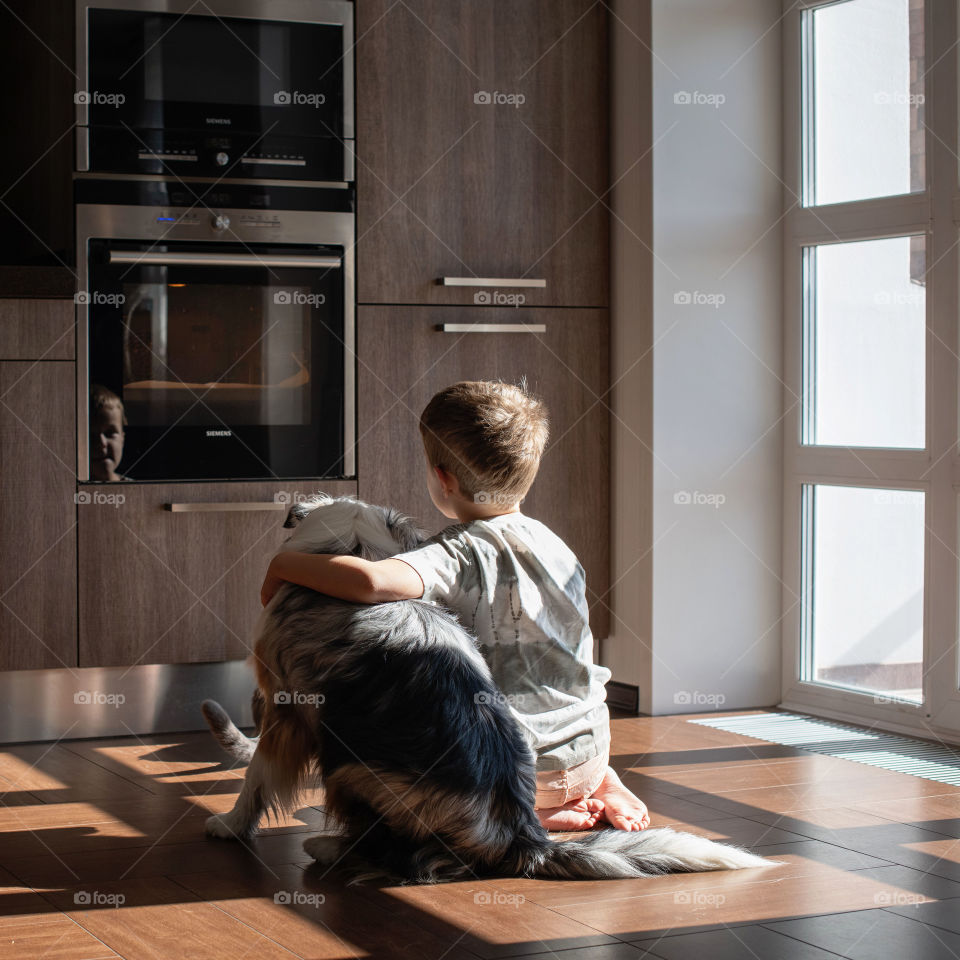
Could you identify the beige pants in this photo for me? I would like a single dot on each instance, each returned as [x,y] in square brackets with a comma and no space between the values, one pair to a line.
[557,787]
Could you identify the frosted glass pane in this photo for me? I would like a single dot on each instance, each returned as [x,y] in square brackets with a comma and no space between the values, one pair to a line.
[865,100]
[867,590]
[866,320]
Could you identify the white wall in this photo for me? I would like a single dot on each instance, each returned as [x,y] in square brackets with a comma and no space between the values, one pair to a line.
[716,359]
[717,388]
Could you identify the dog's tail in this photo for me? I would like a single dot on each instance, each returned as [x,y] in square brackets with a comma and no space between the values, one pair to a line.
[609,854]
[237,744]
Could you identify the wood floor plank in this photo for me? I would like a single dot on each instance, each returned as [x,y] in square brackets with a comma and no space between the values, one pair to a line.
[940,913]
[735,943]
[873,934]
[498,922]
[55,939]
[157,860]
[940,814]
[701,901]
[610,951]
[55,774]
[20,904]
[158,919]
[720,778]
[33,831]
[323,918]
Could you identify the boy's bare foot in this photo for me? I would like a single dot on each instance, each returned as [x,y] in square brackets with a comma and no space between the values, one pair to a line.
[575,815]
[621,809]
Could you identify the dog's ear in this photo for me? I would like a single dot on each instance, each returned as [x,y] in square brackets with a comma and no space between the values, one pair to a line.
[303,508]
[406,533]
[297,513]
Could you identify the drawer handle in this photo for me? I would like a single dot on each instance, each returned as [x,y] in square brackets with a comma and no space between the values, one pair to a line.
[247,506]
[490,282]
[493,328]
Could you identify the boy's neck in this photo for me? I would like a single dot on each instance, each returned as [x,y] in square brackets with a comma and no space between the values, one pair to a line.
[468,511]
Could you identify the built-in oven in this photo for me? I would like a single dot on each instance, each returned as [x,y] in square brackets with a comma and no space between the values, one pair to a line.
[216,342]
[225,88]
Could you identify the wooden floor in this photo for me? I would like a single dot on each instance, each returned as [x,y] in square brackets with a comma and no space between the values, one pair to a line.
[102,854]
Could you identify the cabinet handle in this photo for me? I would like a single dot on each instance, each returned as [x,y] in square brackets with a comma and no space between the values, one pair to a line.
[225,507]
[491,282]
[493,328]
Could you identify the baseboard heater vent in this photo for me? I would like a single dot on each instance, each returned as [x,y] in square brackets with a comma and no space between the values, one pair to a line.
[889,751]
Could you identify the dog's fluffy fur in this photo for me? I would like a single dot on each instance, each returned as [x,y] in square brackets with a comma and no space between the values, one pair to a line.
[394,709]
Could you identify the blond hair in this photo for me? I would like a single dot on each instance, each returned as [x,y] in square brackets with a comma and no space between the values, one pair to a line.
[103,399]
[488,434]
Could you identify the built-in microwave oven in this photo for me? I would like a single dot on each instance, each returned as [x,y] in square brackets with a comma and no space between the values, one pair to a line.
[215,342]
[244,89]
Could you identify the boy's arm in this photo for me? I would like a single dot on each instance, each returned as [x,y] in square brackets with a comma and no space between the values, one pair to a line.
[346,577]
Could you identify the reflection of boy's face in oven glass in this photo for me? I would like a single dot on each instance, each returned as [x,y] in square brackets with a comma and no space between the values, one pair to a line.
[106,442]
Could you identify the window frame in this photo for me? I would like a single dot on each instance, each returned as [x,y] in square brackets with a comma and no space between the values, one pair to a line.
[935,469]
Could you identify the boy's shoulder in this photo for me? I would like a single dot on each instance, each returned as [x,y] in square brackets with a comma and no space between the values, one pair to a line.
[510,529]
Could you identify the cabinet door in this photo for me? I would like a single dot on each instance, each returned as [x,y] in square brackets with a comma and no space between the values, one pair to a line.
[407,357]
[177,586]
[36,329]
[38,560]
[482,150]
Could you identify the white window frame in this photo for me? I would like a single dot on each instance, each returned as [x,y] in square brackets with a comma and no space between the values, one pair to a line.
[935,470]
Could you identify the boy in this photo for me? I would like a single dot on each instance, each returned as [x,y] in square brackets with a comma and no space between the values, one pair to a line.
[107,421]
[513,584]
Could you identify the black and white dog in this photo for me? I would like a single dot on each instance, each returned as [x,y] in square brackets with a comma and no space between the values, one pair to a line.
[393,708]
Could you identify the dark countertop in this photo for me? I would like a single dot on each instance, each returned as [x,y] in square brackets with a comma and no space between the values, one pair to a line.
[37,282]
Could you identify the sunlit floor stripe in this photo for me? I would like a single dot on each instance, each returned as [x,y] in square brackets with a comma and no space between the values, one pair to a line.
[888,751]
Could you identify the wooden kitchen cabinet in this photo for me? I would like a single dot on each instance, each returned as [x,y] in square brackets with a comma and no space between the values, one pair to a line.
[38,560]
[37,329]
[407,357]
[158,586]
[451,183]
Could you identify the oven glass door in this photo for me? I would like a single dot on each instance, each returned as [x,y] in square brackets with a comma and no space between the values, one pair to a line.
[149,70]
[211,361]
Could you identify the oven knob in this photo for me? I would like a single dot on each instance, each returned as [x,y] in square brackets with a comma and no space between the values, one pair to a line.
[220,222]
[222,159]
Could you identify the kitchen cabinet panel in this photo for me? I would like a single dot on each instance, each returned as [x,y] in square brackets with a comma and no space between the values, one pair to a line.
[36,329]
[38,562]
[482,150]
[158,586]
[407,357]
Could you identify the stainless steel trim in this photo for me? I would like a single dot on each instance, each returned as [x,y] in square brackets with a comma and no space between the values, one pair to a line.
[266,161]
[295,11]
[150,155]
[493,328]
[490,282]
[238,507]
[120,701]
[349,161]
[251,181]
[116,221]
[83,148]
[220,259]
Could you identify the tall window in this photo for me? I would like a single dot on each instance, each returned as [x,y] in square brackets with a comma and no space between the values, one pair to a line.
[871,442]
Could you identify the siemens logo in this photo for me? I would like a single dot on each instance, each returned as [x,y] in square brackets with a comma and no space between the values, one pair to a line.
[223,121]
[219,433]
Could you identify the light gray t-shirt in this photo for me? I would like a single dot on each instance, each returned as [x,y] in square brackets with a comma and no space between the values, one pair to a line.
[518,588]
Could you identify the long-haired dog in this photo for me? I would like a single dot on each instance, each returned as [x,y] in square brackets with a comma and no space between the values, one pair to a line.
[393,708]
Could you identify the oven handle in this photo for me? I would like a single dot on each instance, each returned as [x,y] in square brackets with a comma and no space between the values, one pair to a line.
[220,259]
